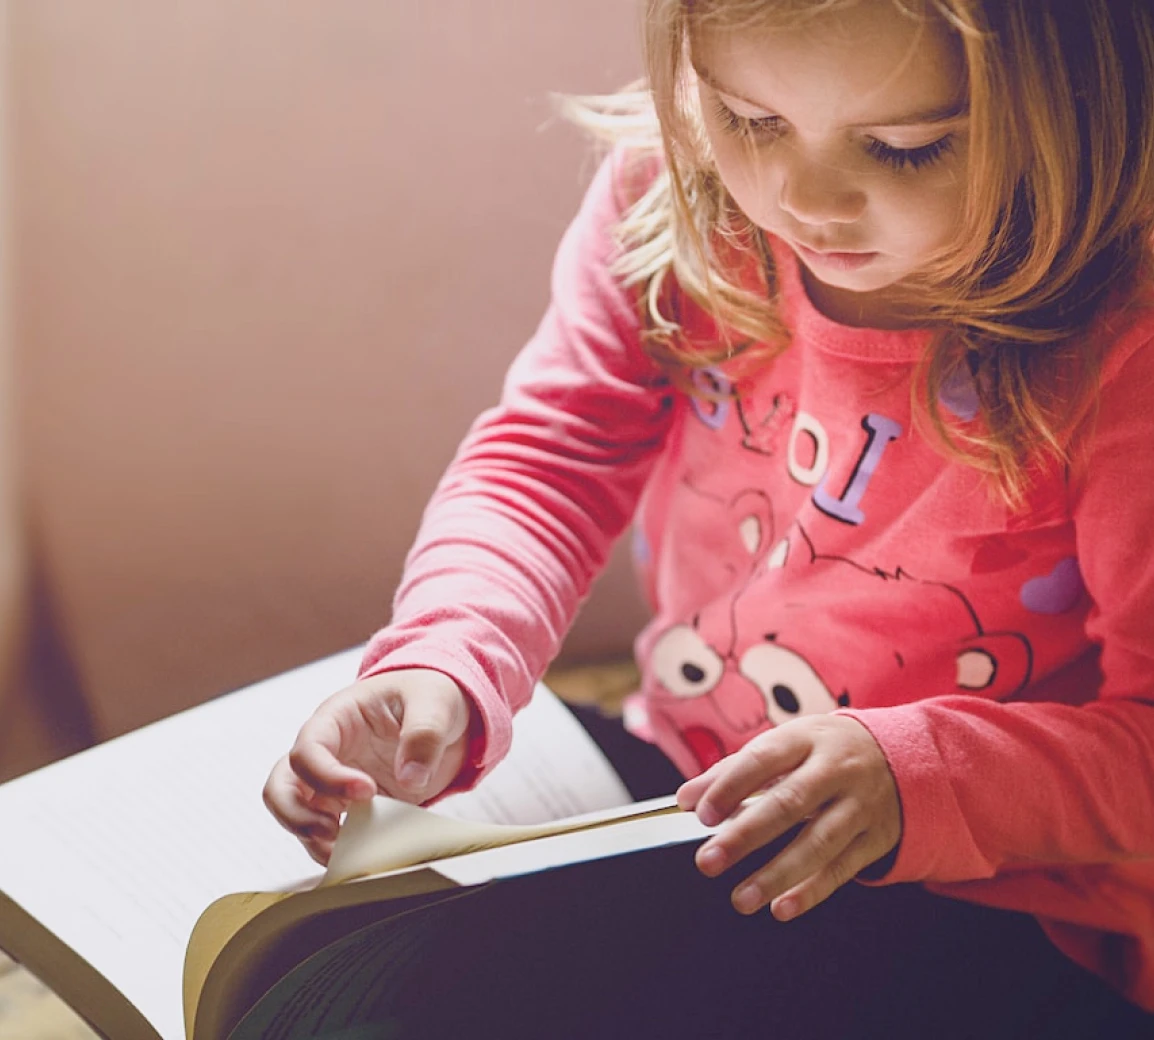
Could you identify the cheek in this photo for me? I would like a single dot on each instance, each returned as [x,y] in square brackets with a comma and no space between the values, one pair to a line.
[926,217]
[929,209]
[747,181]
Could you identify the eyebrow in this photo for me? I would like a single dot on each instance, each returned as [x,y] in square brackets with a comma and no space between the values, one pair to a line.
[941,114]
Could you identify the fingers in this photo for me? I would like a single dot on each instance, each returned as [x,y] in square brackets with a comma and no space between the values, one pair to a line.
[817,888]
[309,788]
[690,792]
[825,772]
[403,733]
[824,856]
[313,760]
[314,820]
[766,818]
[319,850]
[428,726]
[718,792]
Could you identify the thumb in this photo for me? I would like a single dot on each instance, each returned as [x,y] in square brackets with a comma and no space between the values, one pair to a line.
[429,724]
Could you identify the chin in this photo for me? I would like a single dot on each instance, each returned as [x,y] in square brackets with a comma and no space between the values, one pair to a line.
[855,281]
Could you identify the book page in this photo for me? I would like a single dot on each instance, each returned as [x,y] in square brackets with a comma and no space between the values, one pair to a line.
[119,849]
[661,823]
[385,835]
[123,846]
[542,781]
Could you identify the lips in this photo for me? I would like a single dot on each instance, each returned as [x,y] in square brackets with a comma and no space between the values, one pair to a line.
[814,251]
[832,258]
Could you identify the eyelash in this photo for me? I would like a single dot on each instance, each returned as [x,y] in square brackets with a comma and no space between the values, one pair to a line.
[914,158]
[768,128]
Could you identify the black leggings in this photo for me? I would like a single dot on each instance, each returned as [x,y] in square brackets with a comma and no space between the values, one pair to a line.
[646,946]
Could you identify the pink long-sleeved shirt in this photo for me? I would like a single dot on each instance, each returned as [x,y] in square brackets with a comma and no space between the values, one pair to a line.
[805,549]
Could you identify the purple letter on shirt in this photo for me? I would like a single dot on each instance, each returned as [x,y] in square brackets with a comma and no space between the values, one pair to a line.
[881,431]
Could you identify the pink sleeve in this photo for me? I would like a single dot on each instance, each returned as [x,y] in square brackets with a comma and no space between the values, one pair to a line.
[524,518]
[987,786]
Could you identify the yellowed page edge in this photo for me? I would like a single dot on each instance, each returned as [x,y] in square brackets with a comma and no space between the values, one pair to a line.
[221,998]
[214,930]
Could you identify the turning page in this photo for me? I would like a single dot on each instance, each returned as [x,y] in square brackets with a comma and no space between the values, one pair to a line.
[121,848]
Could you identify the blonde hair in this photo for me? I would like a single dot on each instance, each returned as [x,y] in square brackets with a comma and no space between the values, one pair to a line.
[1058,217]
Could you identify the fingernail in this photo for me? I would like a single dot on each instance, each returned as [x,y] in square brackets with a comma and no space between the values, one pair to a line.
[414,776]
[710,861]
[708,815]
[359,791]
[785,909]
[747,899]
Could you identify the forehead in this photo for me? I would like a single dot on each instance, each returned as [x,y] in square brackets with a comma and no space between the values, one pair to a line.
[858,63]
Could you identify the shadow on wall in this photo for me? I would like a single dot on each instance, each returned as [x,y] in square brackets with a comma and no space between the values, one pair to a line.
[268,261]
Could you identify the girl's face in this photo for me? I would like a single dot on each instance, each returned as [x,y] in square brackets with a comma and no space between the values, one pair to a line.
[847,139]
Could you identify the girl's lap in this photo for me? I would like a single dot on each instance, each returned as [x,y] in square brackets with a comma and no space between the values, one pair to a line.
[645,946]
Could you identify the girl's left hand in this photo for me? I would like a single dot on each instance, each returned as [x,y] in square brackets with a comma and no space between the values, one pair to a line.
[826,770]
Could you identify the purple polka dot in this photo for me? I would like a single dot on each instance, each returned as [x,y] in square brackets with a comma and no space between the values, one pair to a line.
[710,410]
[1056,592]
[960,395]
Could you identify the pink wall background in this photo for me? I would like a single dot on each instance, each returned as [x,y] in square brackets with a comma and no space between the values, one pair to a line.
[269,259]
[12,550]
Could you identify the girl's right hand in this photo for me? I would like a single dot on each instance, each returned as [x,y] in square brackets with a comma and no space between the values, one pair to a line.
[402,733]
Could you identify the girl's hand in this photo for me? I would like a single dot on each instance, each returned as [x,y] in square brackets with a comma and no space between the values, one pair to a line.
[824,769]
[403,734]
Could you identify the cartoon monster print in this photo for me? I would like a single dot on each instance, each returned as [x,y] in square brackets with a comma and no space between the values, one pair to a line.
[809,633]
[891,632]
[716,711]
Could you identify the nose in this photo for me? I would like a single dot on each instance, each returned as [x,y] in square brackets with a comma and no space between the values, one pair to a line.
[817,193]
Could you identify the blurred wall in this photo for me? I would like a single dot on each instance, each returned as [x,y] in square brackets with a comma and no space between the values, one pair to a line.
[11,553]
[270,258]
[15,710]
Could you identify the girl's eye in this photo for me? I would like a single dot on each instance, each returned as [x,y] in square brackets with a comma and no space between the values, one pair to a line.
[911,158]
[770,128]
[763,127]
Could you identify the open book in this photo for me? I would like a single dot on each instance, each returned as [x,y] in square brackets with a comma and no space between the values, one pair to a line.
[144,881]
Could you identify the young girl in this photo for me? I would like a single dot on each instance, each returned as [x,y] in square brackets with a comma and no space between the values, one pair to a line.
[855,326]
